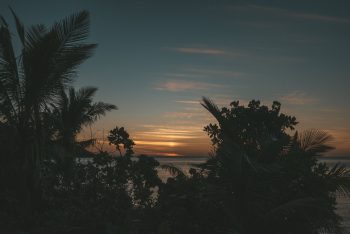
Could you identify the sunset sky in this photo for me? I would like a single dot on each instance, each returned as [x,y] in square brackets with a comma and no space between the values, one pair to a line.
[156,59]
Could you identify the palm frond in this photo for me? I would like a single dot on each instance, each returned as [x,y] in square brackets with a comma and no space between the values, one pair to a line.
[99,109]
[76,109]
[85,93]
[339,176]
[19,26]
[315,141]
[73,29]
[51,58]
[212,108]
[173,170]
[9,80]
[34,38]
[70,51]
[3,22]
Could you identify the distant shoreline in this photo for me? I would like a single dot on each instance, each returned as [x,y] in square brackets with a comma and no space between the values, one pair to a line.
[184,157]
[160,156]
[187,156]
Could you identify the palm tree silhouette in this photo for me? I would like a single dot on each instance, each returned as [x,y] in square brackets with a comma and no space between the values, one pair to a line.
[74,111]
[34,79]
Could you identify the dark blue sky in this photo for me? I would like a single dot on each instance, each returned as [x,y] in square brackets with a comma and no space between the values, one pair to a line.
[156,59]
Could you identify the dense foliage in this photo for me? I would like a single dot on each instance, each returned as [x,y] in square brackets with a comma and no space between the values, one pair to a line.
[275,181]
[102,195]
[260,179]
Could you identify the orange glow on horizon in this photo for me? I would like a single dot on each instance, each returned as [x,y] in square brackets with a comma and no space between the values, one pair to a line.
[168,154]
[183,140]
[159,143]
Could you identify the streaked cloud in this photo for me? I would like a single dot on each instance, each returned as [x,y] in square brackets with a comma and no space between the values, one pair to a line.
[183,75]
[195,102]
[298,98]
[301,15]
[171,140]
[320,17]
[205,73]
[165,136]
[186,115]
[164,133]
[158,143]
[201,50]
[216,72]
[156,150]
[168,154]
[229,54]
[183,85]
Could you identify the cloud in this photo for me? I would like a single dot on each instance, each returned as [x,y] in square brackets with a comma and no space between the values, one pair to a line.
[298,98]
[179,115]
[320,17]
[158,143]
[188,129]
[195,102]
[196,73]
[227,54]
[305,16]
[207,51]
[171,140]
[162,135]
[213,72]
[183,75]
[182,85]
[189,114]
[201,50]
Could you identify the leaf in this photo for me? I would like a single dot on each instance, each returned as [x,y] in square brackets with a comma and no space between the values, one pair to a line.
[173,170]
[20,27]
[315,141]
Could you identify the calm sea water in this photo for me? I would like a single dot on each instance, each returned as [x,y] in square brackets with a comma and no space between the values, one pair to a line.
[343,207]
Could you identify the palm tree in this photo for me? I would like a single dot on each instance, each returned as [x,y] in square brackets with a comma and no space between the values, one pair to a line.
[74,111]
[33,79]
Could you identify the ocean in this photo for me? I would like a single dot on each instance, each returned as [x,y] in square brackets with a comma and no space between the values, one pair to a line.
[185,163]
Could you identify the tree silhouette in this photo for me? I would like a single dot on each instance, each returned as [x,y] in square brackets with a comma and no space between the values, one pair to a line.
[29,82]
[274,178]
[260,179]
[72,113]
[120,138]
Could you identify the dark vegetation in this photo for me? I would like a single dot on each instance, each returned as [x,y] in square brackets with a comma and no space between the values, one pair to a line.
[262,177]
